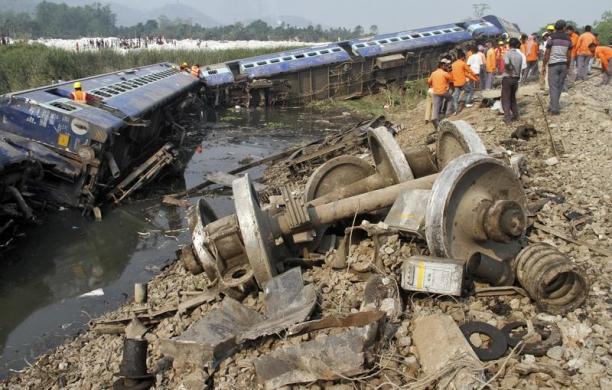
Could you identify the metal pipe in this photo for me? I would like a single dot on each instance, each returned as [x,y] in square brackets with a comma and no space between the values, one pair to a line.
[358,204]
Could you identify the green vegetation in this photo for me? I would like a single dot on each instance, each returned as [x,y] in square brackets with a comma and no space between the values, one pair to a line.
[603,27]
[54,20]
[25,66]
[387,102]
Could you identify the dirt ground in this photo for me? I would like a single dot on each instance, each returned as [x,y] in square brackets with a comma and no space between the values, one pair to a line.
[580,180]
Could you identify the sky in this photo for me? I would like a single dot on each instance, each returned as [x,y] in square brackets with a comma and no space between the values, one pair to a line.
[394,15]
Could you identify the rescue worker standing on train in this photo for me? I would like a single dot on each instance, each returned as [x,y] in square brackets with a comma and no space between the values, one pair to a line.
[78,95]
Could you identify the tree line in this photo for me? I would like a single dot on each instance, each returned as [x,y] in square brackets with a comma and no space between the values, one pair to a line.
[53,20]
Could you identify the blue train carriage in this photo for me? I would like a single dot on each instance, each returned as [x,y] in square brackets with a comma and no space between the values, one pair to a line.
[296,76]
[224,85]
[89,146]
[412,54]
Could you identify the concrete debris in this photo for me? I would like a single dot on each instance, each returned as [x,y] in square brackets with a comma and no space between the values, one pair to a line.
[551,161]
[445,354]
[325,358]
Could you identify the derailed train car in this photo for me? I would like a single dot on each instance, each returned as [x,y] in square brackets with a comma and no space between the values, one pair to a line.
[89,149]
[344,69]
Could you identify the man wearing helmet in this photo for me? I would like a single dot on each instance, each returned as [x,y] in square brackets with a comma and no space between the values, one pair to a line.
[78,95]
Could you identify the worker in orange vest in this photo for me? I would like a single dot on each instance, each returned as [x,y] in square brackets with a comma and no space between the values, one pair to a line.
[195,70]
[461,72]
[440,81]
[78,95]
[583,53]
[531,51]
[604,54]
[491,65]
[574,37]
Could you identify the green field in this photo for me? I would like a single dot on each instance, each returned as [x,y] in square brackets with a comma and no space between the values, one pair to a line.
[24,66]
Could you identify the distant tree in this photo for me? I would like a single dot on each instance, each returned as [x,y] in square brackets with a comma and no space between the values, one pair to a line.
[603,27]
[373,29]
[480,9]
[358,31]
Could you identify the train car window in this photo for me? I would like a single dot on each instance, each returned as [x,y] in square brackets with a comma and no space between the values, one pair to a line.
[382,42]
[247,66]
[405,38]
[457,29]
[437,32]
[372,43]
[324,52]
[275,61]
[394,39]
[447,31]
[300,56]
[63,106]
[213,71]
[312,54]
[360,45]
[416,35]
[262,63]
[426,34]
[337,49]
[287,58]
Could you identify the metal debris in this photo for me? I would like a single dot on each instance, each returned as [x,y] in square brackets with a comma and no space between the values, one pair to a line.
[550,278]
[221,331]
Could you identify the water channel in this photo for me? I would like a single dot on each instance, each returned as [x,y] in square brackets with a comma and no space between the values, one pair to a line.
[43,279]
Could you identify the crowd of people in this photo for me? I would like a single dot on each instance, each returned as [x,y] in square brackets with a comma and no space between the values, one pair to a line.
[123,43]
[565,56]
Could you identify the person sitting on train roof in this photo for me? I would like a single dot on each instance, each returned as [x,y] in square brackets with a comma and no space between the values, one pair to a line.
[184,67]
[461,73]
[78,95]
[604,54]
[440,81]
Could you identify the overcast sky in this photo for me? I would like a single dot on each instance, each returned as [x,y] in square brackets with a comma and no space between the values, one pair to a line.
[394,15]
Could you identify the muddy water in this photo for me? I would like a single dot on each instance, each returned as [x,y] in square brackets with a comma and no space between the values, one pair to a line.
[69,269]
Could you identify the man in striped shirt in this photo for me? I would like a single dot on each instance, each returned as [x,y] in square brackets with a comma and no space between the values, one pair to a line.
[557,57]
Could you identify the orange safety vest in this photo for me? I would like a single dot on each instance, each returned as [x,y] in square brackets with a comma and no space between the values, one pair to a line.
[79,96]
[195,71]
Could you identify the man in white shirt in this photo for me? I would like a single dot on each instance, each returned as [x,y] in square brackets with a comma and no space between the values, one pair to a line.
[475,63]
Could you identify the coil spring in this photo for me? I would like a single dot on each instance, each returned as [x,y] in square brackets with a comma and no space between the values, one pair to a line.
[550,278]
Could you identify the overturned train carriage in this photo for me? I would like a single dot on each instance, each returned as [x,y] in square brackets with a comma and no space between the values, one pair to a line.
[344,69]
[86,149]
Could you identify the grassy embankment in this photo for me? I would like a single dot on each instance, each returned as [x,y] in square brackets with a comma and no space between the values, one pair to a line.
[26,66]
[389,102]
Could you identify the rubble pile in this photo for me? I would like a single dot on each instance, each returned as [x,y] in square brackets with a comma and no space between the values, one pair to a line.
[468,264]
